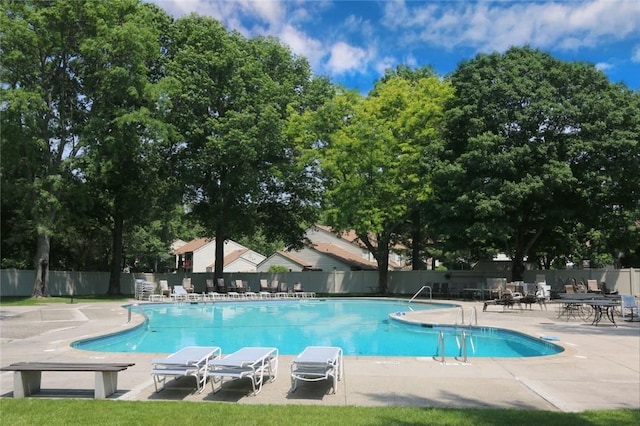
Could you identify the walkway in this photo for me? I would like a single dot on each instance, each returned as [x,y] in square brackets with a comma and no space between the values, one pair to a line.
[600,368]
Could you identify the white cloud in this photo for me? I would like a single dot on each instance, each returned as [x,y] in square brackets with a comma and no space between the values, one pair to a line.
[498,25]
[344,58]
[384,64]
[635,56]
[302,44]
[603,66]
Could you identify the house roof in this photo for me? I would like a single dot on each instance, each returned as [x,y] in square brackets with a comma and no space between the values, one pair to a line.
[231,257]
[193,245]
[344,256]
[294,259]
[351,236]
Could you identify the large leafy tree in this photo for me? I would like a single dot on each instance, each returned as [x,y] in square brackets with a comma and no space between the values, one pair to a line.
[230,101]
[126,145]
[376,156]
[524,133]
[42,109]
[78,126]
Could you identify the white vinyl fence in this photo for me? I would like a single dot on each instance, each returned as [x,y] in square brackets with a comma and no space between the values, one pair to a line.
[15,282]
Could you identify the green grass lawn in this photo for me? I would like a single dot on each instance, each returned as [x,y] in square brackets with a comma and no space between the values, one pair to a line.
[32,411]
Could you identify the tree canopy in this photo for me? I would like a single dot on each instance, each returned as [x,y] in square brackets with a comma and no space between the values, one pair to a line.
[124,129]
[376,156]
[527,142]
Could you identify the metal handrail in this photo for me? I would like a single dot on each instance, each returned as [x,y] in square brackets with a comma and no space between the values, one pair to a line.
[460,316]
[418,292]
[463,346]
[474,316]
[440,346]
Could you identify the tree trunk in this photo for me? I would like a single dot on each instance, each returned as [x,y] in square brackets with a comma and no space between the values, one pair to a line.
[417,263]
[218,270]
[116,258]
[41,266]
[382,256]
[517,267]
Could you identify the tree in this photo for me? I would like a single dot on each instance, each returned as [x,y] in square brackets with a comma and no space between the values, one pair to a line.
[375,156]
[522,131]
[230,101]
[42,108]
[124,139]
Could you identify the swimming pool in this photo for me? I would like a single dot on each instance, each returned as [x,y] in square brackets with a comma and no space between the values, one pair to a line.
[360,326]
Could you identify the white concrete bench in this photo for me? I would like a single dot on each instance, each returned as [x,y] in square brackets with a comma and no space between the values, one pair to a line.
[27,376]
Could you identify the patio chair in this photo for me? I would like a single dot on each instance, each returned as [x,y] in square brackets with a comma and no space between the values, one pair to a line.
[592,286]
[283,290]
[264,289]
[186,283]
[246,289]
[508,300]
[298,291]
[494,288]
[210,287]
[273,287]
[179,294]
[221,286]
[254,363]
[164,288]
[188,361]
[628,305]
[316,363]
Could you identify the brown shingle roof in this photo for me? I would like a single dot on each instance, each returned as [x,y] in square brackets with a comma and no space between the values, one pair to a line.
[294,259]
[193,245]
[345,256]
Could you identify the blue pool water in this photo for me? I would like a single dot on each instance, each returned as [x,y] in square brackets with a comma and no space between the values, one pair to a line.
[360,327]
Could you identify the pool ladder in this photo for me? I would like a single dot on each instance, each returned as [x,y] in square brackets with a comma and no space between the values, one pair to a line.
[462,346]
[460,316]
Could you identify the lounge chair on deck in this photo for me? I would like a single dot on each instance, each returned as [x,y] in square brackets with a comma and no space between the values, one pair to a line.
[243,288]
[283,291]
[164,288]
[508,299]
[255,363]
[317,363]
[186,283]
[179,294]
[221,286]
[298,291]
[264,289]
[188,361]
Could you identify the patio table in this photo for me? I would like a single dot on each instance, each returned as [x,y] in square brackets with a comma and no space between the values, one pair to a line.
[603,308]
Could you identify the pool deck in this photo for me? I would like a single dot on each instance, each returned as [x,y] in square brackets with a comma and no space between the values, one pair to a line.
[599,369]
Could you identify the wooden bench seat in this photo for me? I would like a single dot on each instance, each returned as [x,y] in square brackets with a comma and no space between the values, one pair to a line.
[27,376]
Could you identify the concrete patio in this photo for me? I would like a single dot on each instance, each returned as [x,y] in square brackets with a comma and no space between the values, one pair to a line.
[599,369]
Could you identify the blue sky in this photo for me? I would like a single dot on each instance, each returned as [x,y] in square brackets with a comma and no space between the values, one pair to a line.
[353,42]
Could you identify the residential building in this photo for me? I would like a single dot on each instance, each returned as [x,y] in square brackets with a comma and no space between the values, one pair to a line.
[199,256]
[326,251]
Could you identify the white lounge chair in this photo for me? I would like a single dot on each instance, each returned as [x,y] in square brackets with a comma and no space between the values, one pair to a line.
[188,361]
[317,363]
[179,294]
[253,362]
